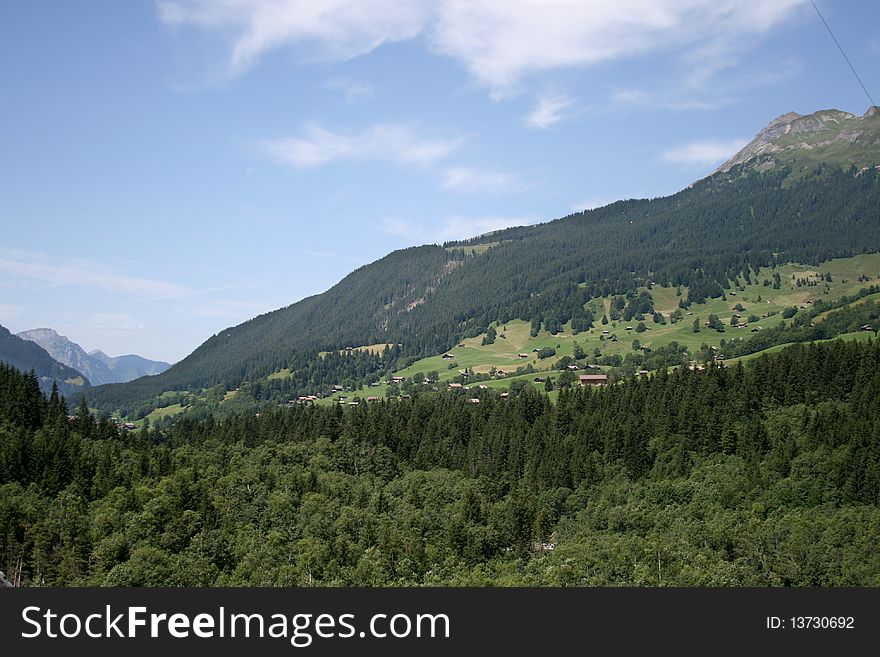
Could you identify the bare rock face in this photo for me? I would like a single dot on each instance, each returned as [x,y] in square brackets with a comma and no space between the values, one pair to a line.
[775,129]
[792,134]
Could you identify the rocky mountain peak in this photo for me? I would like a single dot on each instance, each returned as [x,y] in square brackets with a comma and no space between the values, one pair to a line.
[794,136]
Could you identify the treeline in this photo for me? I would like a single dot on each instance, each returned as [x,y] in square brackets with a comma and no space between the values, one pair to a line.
[427,298]
[760,475]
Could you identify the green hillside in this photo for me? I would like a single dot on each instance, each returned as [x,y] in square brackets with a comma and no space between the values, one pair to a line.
[514,358]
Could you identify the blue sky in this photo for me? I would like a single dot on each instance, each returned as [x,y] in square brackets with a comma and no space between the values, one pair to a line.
[172,168]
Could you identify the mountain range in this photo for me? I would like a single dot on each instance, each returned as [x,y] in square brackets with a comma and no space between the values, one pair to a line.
[97,366]
[25,355]
[806,189]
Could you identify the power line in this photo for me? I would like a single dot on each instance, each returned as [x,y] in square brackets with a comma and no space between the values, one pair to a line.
[840,48]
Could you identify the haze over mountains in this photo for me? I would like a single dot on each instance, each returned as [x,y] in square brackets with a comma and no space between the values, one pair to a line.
[806,189]
[97,366]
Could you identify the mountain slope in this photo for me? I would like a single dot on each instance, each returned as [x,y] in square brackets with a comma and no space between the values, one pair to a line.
[25,355]
[427,298]
[97,366]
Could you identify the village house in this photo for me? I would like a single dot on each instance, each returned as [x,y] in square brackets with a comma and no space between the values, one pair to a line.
[593,379]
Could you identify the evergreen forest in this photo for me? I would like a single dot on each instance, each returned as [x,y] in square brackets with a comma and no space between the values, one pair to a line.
[759,474]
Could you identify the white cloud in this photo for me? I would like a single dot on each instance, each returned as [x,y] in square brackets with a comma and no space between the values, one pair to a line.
[689,91]
[498,42]
[332,29]
[388,142]
[352,90]
[702,153]
[396,227]
[75,271]
[502,41]
[115,321]
[550,110]
[459,228]
[229,310]
[590,204]
[9,311]
[665,100]
[469,179]
[455,227]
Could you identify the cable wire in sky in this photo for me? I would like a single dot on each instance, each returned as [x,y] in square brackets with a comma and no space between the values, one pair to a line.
[840,48]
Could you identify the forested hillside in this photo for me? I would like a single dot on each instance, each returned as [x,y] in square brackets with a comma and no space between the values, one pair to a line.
[764,474]
[427,298]
[26,356]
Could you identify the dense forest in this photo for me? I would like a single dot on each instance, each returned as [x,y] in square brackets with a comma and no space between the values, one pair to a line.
[764,474]
[427,298]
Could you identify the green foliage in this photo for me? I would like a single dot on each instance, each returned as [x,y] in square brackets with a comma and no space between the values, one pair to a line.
[759,475]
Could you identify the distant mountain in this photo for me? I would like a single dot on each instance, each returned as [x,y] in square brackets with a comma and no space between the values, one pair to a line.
[97,366]
[800,142]
[25,355]
[130,366]
[755,212]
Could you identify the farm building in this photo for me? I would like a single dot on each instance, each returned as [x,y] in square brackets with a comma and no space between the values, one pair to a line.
[593,379]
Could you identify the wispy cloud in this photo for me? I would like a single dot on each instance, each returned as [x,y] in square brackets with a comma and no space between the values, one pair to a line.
[389,142]
[9,311]
[115,322]
[702,153]
[455,227]
[332,29]
[691,91]
[352,90]
[459,227]
[470,179]
[396,227]
[665,100]
[229,310]
[590,204]
[75,271]
[499,42]
[550,110]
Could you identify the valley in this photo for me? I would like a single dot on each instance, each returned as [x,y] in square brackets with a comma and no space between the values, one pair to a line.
[606,347]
